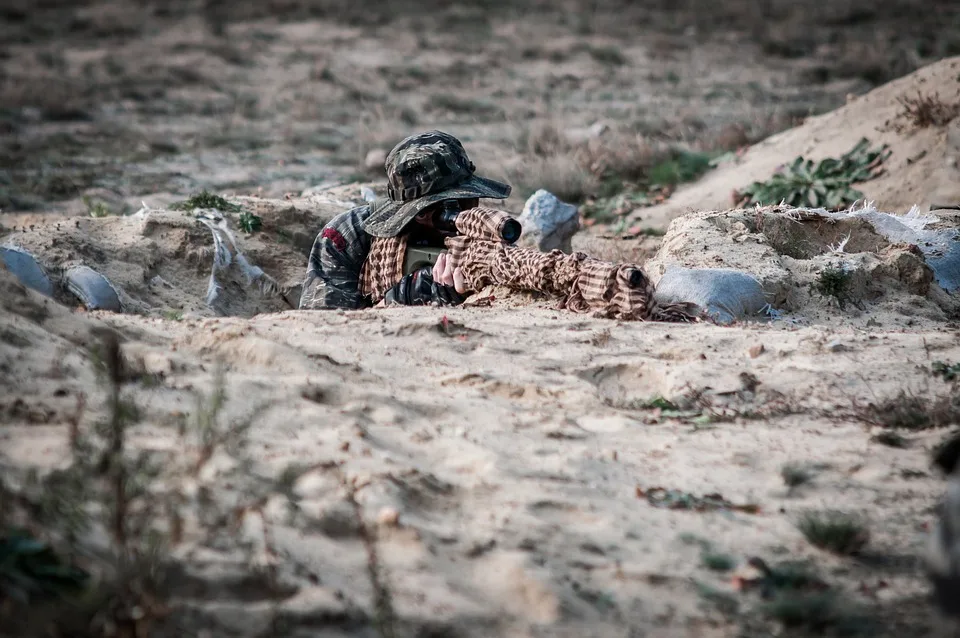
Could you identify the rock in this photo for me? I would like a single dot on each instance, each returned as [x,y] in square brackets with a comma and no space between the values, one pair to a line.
[92,289]
[27,269]
[314,606]
[581,135]
[338,521]
[375,159]
[548,223]
[388,517]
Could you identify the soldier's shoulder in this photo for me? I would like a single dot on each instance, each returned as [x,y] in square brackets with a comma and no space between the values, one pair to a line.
[352,217]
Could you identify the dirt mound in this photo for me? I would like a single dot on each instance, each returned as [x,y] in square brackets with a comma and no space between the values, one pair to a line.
[922,170]
[197,262]
[816,266]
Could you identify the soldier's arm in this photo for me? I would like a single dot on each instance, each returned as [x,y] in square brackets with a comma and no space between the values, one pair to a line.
[333,270]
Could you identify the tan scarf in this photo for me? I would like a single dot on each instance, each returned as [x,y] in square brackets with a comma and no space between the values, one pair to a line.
[383,267]
[582,283]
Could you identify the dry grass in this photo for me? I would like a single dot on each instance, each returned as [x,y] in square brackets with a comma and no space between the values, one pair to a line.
[575,169]
[924,111]
[910,411]
[834,531]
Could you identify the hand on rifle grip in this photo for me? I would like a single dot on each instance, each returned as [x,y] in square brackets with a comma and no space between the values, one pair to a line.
[446,274]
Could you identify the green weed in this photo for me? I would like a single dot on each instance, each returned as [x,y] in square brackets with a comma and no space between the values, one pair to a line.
[834,281]
[718,562]
[682,167]
[250,223]
[96,209]
[206,200]
[827,184]
[949,372]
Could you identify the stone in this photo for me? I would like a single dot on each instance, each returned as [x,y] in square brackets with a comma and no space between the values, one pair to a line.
[314,605]
[581,135]
[338,520]
[388,517]
[375,159]
[548,223]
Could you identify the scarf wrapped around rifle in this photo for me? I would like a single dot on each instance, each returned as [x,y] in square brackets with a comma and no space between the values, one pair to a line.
[582,284]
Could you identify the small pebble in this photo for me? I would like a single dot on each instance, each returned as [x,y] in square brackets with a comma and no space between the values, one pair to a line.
[388,517]
[837,346]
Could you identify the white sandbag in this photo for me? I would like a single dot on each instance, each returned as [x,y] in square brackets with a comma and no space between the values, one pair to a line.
[92,289]
[724,294]
[26,268]
[940,246]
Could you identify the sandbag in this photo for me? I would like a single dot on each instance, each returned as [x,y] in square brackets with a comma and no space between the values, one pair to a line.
[26,268]
[723,294]
[92,289]
[940,246]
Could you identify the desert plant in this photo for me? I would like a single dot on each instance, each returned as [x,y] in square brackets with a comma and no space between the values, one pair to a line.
[926,110]
[834,281]
[32,571]
[948,371]
[835,531]
[824,613]
[250,223]
[890,439]
[718,562]
[683,166]
[137,500]
[794,595]
[910,411]
[96,209]
[827,184]
[796,474]
[205,199]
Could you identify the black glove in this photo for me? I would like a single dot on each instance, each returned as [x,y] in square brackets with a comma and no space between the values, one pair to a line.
[419,289]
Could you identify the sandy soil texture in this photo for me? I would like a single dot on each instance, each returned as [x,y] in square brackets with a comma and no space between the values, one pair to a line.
[502,468]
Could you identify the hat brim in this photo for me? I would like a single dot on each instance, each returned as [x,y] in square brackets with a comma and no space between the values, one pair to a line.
[390,219]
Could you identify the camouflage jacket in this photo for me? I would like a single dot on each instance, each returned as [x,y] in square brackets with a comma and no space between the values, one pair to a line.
[337,256]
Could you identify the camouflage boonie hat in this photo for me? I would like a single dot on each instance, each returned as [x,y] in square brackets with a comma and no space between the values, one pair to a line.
[424,169]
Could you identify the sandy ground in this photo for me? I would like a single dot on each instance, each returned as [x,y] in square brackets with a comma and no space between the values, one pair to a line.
[512,447]
[923,170]
[119,102]
[500,452]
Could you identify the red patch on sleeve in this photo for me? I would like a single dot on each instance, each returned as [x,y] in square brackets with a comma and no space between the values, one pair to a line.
[334,235]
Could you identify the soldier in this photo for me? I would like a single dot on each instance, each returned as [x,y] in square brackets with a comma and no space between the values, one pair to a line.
[423,172]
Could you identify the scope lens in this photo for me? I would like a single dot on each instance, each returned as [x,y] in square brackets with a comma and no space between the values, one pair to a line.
[511,231]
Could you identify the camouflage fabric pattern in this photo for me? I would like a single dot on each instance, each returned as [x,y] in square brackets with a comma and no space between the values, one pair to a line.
[424,169]
[335,264]
[426,163]
[584,284]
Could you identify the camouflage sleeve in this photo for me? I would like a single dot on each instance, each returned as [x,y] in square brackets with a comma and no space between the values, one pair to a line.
[333,270]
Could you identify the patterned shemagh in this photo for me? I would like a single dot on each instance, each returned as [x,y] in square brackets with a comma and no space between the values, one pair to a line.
[582,283]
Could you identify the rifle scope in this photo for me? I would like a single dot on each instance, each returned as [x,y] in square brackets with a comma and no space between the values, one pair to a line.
[445,220]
